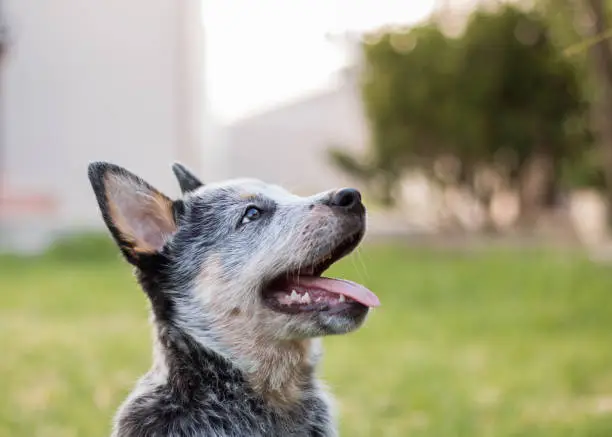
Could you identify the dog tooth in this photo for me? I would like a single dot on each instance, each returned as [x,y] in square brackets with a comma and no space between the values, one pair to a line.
[342,298]
[294,296]
[306,298]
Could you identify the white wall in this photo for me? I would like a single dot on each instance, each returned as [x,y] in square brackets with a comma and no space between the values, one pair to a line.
[289,146]
[99,80]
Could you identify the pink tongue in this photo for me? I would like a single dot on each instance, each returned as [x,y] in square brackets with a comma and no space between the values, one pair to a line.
[340,286]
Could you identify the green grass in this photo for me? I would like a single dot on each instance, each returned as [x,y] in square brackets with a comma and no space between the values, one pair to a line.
[499,344]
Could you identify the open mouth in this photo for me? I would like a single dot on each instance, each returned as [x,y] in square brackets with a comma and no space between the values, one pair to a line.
[305,290]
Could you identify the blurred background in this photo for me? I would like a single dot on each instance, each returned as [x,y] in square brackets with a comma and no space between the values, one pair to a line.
[479,132]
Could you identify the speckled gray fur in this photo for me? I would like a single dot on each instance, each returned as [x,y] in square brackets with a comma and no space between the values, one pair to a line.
[219,354]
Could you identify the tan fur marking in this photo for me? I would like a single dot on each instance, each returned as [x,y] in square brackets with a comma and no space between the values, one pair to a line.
[152,206]
[284,369]
[278,370]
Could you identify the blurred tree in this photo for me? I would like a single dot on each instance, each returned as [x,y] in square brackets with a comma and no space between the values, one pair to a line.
[600,51]
[527,99]
[408,94]
[501,95]
[566,29]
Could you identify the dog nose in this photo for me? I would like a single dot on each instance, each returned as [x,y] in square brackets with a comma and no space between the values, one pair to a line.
[347,198]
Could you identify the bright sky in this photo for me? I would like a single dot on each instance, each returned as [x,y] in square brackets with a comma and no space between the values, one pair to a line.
[261,52]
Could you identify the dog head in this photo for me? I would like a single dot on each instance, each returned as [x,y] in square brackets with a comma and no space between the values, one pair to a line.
[239,250]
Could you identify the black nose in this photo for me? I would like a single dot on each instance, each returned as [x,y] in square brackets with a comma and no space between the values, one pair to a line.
[347,198]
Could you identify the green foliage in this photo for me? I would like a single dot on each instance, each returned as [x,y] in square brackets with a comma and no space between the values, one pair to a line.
[584,171]
[408,95]
[500,89]
[520,87]
[349,164]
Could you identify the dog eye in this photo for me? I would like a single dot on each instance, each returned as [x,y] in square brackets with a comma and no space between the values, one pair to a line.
[251,215]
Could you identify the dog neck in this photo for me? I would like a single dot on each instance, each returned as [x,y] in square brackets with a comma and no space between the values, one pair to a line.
[181,361]
[280,372]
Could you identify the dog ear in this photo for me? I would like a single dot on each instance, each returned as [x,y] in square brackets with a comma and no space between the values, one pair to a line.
[186,179]
[139,217]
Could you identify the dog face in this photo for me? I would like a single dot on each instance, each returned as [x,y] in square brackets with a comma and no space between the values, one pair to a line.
[240,252]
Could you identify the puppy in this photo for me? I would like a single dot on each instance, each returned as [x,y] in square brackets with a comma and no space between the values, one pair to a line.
[233,274]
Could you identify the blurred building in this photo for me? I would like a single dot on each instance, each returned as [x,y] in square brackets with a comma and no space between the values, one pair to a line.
[289,144]
[96,80]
